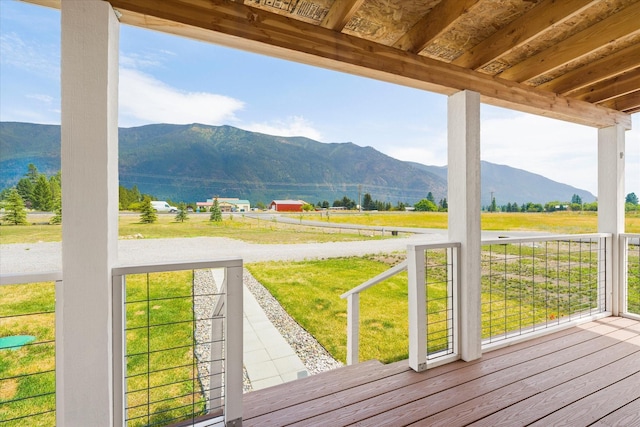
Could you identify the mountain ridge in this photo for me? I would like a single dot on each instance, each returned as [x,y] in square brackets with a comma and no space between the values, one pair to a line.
[229,162]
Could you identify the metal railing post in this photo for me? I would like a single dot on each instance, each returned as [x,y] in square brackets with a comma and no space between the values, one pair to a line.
[233,347]
[353,328]
[417,309]
[118,349]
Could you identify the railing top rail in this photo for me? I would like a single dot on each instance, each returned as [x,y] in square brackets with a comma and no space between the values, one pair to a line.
[439,245]
[632,235]
[506,240]
[379,278]
[22,278]
[175,266]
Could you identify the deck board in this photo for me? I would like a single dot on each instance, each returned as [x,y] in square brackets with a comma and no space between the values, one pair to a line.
[549,380]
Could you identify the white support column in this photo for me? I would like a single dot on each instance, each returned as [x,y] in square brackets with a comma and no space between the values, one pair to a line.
[90,32]
[611,199]
[464,212]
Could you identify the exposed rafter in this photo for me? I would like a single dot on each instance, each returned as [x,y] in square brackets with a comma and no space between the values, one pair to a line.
[605,68]
[340,14]
[433,24]
[259,31]
[609,89]
[539,19]
[442,46]
[629,103]
[622,24]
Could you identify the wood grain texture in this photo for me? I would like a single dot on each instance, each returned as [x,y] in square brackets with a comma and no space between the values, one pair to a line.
[574,376]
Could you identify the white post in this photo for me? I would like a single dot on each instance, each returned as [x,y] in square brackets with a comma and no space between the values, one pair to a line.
[353,328]
[89,149]
[417,309]
[233,348]
[611,197]
[464,212]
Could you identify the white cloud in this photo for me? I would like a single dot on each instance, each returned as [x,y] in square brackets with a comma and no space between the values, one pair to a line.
[45,99]
[144,99]
[560,151]
[144,60]
[33,57]
[292,126]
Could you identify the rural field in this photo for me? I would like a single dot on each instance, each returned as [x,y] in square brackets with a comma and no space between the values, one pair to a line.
[521,287]
[256,230]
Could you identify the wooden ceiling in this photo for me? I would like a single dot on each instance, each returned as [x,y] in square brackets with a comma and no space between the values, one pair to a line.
[575,60]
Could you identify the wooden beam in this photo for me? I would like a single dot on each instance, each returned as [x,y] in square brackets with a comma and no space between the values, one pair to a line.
[630,102]
[434,23]
[547,14]
[47,3]
[255,30]
[609,89]
[617,26]
[340,14]
[602,69]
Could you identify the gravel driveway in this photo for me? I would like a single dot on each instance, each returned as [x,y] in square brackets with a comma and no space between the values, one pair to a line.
[43,257]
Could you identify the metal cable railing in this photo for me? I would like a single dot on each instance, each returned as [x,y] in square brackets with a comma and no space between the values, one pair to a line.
[181,348]
[533,284]
[28,349]
[631,278]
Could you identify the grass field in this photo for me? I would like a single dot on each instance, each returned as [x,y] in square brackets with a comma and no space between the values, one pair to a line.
[268,231]
[235,227]
[556,222]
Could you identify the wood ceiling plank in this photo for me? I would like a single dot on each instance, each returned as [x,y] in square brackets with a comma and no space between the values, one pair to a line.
[340,14]
[617,26]
[434,23]
[602,69]
[612,88]
[628,103]
[243,27]
[548,13]
[255,30]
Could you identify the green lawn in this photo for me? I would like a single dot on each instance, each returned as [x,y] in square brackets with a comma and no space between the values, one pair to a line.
[237,227]
[556,222]
[27,377]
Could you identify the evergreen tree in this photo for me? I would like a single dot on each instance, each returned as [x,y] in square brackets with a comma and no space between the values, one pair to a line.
[367,202]
[15,212]
[493,207]
[443,204]
[55,183]
[430,197]
[147,213]
[32,173]
[25,189]
[182,215]
[41,199]
[216,214]
[575,199]
[57,210]
[631,198]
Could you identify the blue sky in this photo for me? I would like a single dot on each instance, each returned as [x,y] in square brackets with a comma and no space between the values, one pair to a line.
[168,79]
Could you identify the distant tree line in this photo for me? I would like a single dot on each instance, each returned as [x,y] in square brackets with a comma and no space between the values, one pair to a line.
[576,204]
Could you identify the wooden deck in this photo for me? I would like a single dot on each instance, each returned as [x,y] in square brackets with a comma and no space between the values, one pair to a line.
[586,375]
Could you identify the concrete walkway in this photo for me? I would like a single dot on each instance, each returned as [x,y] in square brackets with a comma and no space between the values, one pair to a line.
[268,358]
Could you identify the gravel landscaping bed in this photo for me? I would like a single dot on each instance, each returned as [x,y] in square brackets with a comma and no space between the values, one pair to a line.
[314,356]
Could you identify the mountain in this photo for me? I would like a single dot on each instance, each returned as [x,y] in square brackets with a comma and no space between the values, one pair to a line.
[510,185]
[195,162]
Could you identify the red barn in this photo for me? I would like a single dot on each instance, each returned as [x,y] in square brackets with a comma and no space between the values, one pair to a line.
[287,205]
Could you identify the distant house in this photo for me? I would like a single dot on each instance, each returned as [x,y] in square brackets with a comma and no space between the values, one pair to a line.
[227,204]
[287,205]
